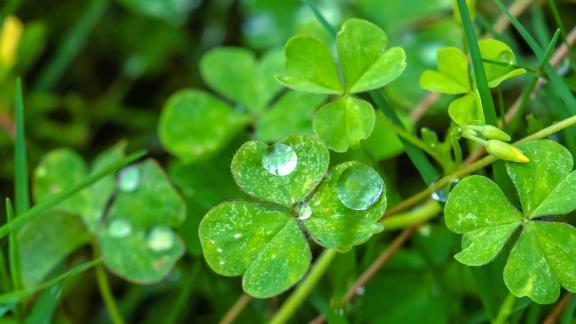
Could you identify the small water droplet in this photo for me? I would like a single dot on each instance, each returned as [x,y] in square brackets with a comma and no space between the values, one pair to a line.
[219,250]
[129,178]
[160,239]
[440,196]
[360,291]
[304,211]
[280,160]
[237,236]
[359,187]
[119,228]
[425,230]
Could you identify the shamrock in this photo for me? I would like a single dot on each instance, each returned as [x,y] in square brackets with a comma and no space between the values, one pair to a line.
[544,256]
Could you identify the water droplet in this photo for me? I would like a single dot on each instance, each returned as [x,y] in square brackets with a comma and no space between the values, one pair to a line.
[440,196]
[360,291]
[161,239]
[359,187]
[304,211]
[129,178]
[280,160]
[237,236]
[119,228]
[425,230]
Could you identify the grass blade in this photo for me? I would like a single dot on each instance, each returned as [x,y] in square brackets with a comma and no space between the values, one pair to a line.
[71,45]
[15,296]
[14,251]
[58,198]
[20,159]
[45,306]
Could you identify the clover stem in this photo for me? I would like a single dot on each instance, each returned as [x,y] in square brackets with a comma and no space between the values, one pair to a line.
[505,309]
[412,217]
[106,293]
[299,295]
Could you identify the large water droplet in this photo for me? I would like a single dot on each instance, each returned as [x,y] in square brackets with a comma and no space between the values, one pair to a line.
[129,178]
[280,160]
[119,228]
[161,239]
[359,187]
[304,211]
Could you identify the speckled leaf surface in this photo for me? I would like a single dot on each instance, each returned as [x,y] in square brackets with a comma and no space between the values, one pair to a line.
[153,201]
[310,67]
[182,126]
[543,259]
[262,243]
[366,63]
[235,73]
[132,258]
[62,168]
[467,109]
[344,123]
[546,184]
[45,241]
[495,50]
[332,224]
[248,169]
[483,245]
[452,74]
[477,202]
[149,203]
[293,111]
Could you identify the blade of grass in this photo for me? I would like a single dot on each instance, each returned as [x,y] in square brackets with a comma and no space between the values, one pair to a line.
[13,250]
[71,44]
[107,296]
[15,296]
[45,306]
[561,88]
[20,160]
[58,198]
[560,25]
[184,293]
[320,18]
[500,174]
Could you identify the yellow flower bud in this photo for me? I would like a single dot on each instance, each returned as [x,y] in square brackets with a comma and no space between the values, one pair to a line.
[505,151]
[9,40]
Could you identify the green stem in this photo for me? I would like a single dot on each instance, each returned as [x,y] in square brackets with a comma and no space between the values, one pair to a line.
[106,293]
[71,45]
[298,296]
[20,159]
[505,309]
[414,140]
[183,295]
[415,216]
[552,129]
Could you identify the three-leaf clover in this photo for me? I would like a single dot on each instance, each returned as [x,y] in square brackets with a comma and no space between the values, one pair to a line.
[544,256]
[453,77]
[365,64]
[196,124]
[132,217]
[264,240]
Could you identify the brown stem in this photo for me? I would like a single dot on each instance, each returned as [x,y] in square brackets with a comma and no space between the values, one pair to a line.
[374,267]
[236,309]
[558,310]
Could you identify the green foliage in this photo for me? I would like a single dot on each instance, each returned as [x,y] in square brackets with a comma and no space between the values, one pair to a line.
[264,242]
[135,238]
[544,253]
[366,65]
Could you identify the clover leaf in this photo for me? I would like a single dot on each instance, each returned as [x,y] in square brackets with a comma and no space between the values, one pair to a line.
[283,173]
[264,244]
[135,233]
[452,75]
[495,52]
[362,54]
[263,241]
[544,256]
[195,124]
[247,82]
[467,110]
[344,122]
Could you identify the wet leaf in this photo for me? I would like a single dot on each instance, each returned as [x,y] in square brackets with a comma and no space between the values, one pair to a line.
[262,243]
[284,173]
[333,224]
